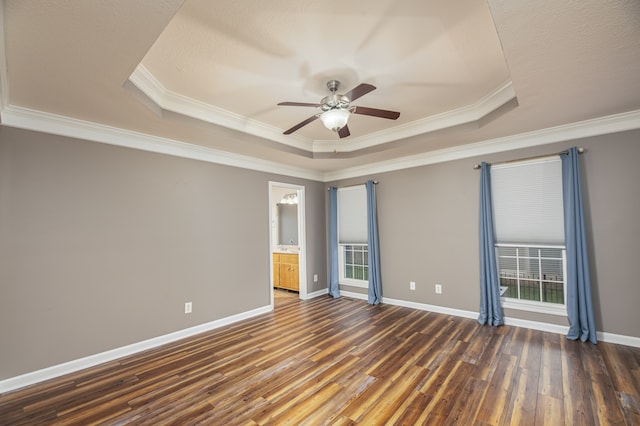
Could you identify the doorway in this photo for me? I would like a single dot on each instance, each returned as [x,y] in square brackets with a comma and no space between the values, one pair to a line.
[287,231]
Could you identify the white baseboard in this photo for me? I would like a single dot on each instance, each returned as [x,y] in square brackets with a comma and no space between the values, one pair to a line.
[93,360]
[619,339]
[318,293]
[27,379]
[431,308]
[534,325]
[361,296]
[415,305]
[537,325]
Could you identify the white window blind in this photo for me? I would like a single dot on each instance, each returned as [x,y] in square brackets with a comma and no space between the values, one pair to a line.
[527,202]
[352,215]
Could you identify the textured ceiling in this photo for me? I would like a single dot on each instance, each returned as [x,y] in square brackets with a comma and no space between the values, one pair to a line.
[211,73]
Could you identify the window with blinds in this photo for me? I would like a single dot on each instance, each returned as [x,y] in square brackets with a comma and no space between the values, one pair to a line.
[353,251]
[529,232]
[527,202]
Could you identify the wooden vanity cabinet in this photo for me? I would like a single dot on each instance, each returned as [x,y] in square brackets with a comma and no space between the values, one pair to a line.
[285,271]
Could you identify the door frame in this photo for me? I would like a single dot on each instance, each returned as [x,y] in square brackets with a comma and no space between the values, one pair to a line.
[302,239]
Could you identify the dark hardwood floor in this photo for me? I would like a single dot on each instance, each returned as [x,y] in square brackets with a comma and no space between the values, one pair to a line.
[343,362]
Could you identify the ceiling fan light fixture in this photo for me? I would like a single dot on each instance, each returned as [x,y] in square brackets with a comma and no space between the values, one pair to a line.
[335,109]
[335,119]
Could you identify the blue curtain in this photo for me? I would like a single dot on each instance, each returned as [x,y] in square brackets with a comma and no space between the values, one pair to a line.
[375,280]
[490,308]
[579,305]
[334,286]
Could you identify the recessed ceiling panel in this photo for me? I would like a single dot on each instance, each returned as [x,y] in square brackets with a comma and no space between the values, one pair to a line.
[426,58]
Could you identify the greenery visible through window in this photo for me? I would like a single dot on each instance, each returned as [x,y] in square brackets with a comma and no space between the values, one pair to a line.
[356,262]
[532,273]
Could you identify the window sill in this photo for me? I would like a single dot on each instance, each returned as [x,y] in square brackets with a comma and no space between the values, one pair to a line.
[539,307]
[354,283]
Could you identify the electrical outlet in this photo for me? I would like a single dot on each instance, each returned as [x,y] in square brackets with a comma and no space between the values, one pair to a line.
[188,307]
[315,278]
[438,289]
[412,285]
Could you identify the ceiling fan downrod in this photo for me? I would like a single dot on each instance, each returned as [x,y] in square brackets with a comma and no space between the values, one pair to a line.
[333,85]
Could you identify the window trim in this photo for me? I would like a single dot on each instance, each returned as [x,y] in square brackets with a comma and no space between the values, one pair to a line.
[341,268]
[531,305]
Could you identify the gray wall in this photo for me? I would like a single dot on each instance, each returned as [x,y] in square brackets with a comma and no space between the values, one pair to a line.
[100,246]
[428,228]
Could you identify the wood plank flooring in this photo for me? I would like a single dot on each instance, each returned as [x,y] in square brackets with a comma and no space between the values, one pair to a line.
[343,362]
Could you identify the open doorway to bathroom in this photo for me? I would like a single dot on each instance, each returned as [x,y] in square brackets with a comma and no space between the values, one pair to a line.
[287,240]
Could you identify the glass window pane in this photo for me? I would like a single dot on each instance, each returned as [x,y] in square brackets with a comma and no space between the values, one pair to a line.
[512,287]
[555,253]
[348,271]
[508,266]
[357,272]
[506,251]
[552,270]
[527,252]
[529,290]
[553,292]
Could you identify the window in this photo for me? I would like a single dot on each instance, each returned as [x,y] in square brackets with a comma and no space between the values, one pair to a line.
[534,276]
[354,262]
[353,250]
[529,227]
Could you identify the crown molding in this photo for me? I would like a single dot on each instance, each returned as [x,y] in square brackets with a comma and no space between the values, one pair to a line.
[168,100]
[594,127]
[55,124]
[65,126]
[467,114]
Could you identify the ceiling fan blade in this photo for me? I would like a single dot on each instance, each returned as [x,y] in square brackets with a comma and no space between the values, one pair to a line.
[344,131]
[359,91]
[382,113]
[301,124]
[298,104]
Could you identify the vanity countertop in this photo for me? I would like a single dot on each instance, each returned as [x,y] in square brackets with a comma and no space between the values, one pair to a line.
[286,249]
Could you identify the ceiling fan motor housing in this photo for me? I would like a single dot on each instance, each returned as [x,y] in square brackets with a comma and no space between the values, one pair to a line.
[334,101]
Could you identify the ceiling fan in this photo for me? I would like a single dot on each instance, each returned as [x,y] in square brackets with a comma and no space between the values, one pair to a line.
[337,108]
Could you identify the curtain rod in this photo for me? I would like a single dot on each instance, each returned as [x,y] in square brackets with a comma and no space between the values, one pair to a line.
[580,151]
[375,182]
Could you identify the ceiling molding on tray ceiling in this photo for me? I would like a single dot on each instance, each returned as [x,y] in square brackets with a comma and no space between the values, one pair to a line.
[582,129]
[165,99]
[467,114]
[25,118]
[168,100]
